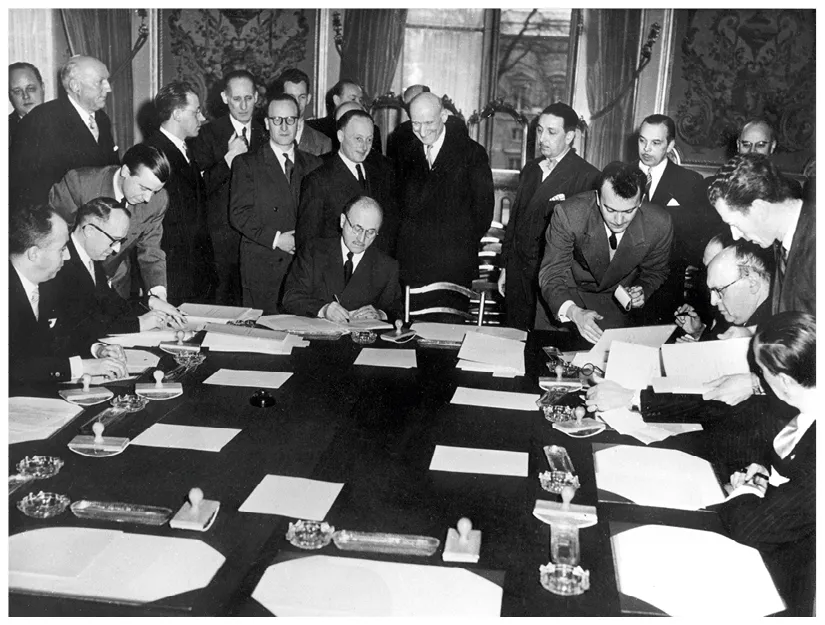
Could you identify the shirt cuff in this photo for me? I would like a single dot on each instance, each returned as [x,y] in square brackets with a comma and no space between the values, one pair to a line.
[745,489]
[563,311]
[275,242]
[636,401]
[159,292]
[75,367]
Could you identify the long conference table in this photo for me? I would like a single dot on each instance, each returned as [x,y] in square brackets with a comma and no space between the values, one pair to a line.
[373,429]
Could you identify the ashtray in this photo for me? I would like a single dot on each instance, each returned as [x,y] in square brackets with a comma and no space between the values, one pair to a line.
[564,579]
[310,534]
[554,481]
[364,337]
[130,403]
[39,467]
[401,544]
[43,505]
[190,359]
[557,414]
[120,512]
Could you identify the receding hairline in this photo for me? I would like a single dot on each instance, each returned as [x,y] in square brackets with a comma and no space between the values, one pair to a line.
[427,98]
[756,123]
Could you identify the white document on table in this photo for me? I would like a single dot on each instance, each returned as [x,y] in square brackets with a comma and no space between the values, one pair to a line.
[295,497]
[454,332]
[693,573]
[148,338]
[396,358]
[486,461]
[223,342]
[193,437]
[37,418]
[219,314]
[630,423]
[257,379]
[632,366]
[693,365]
[493,350]
[664,478]
[652,336]
[318,585]
[137,360]
[313,325]
[498,371]
[494,399]
[109,564]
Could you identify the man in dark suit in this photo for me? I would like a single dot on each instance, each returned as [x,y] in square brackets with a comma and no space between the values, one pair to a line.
[346,277]
[88,308]
[263,205]
[25,93]
[138,184]
[598,241]
[348,174]
[296,83]
[213,150]
[446,201]
[38,240]
[543,183]
[190,261]
[342,92]
[680,192]
[63,134]
[760,205]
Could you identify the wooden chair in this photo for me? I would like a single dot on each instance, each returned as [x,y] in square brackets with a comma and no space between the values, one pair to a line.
[445,286]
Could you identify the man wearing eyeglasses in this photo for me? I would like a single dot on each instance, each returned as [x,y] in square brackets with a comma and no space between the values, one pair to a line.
[598,241]
[88,307]
[346,277]
[263,205]
[190,261]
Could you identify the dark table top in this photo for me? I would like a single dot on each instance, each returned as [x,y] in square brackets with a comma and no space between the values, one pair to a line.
[374,429]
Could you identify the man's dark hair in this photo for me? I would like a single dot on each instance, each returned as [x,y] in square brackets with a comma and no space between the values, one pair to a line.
[749,177]
[626,180]
[337,90]
[171,98]
[662,119]
[142,155]
[291,74]
[786,343]
[30,226]
[238,73]
[22,65]
[101,208]
[283,97]
[346,117]
[566,112]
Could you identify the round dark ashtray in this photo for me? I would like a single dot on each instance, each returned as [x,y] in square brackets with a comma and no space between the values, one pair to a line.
[262,399]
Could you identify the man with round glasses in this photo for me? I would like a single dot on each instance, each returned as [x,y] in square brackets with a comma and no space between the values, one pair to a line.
[346,277]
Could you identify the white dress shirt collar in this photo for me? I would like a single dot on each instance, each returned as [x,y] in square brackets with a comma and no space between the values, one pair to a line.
[84,257]
[29,287]
[351,165]
[356,258]
[619,236]
[801,423]
[280,152]
[179,143]
[84,114]
[238,126]
[656,173]
[436,145]
[119,195]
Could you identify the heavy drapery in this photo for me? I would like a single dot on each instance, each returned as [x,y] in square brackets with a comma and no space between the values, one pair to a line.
[373,39]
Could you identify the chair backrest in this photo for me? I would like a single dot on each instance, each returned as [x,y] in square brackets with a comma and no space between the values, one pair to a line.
[444,286]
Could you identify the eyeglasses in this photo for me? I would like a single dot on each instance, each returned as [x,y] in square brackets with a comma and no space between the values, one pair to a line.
[759,145]
[289,121]
[113,240]
[720,291]
[358,230]
[612,211]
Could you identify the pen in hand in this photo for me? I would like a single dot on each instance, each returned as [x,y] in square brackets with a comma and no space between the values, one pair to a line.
[755,475]
[339,303]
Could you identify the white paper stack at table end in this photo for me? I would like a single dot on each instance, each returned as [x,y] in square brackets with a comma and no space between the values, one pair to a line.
[494,354]
[256,379]
[228,338]
[395,358]
[295,497]
[692,365]
[494,399]
[37,418]
[212,313]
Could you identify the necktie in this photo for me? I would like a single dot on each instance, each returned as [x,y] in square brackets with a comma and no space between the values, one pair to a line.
[429,154]
[93,127]
[186,152]
[785,440]
[361,179]
[288,167]
[348,268]
[92,270]
[243,137]
[35,301]
[781,261]
[649,183]
[614,242]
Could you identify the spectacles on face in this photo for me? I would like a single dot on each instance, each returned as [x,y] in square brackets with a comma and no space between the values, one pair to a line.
[113,241]
[289,121]
[747,146]
[613,211]
[720,291]
[358,230]
[196,112]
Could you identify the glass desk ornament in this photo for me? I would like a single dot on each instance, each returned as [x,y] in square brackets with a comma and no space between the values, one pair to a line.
[555,403]
[178,346]
[581,426]
[377,542]
[363,337]
[18,481]
[129,402]
[561,473]
[190,360]
[159,390]
[310,534]
[86,396]
[40,467]
[98,446]
[43,505]
[118,512]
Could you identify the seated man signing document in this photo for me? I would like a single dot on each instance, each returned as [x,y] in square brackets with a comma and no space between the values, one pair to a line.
[346,277]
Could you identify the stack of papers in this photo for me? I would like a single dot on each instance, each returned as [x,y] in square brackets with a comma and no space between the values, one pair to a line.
[148,338]
[296,324]
[137,360]
[397,358]
[652,336]
[500,356]
[690,366]
[454,332]
[209,313]
[186,437]
[629,422]
[257,379]
[226,338]
[650,476]
[495,399]
[632,366]
[37,418]
[486,461]
[295,497]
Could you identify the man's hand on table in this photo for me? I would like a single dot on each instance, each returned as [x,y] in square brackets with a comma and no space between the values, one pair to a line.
[607,395]
[173,317]
[367,312]
[108,367]
[334,312]
[731,389]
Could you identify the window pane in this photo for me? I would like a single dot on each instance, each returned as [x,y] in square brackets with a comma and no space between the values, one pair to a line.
[458,18]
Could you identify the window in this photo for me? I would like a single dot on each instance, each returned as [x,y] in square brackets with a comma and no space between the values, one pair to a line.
[517,133]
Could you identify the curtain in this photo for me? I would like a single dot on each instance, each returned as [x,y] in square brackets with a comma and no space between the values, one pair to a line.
[106,34]
[612,39]
[373,39]
[30,41]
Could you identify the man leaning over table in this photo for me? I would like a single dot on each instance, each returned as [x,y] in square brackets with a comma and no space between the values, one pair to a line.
[38,246]
[346,277]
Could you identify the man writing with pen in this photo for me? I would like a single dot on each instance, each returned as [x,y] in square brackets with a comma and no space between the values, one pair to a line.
[346,278]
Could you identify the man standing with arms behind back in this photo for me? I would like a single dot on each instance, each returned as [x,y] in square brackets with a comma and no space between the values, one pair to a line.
[543,183]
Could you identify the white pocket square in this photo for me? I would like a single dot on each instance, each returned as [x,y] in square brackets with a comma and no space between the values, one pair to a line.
[557,198]
[52,322]
[673,202]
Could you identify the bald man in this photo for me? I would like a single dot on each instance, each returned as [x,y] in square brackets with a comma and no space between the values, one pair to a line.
[446,200]
[757,136]
[63,134]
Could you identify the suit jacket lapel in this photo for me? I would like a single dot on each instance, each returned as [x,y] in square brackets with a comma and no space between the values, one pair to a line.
[344,175]
[273,169]
[594,246]
[334,277]
[80,269]
[663,193]
[79,127]
[361,276]
[560,174]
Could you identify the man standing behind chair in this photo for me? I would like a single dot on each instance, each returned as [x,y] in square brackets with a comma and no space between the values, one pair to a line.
[190,261]
[543,183]
[446,201]
[296,83]
[263,205]
[213,150]
[25,93]
[63,134]
[346,277]
[599,240]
